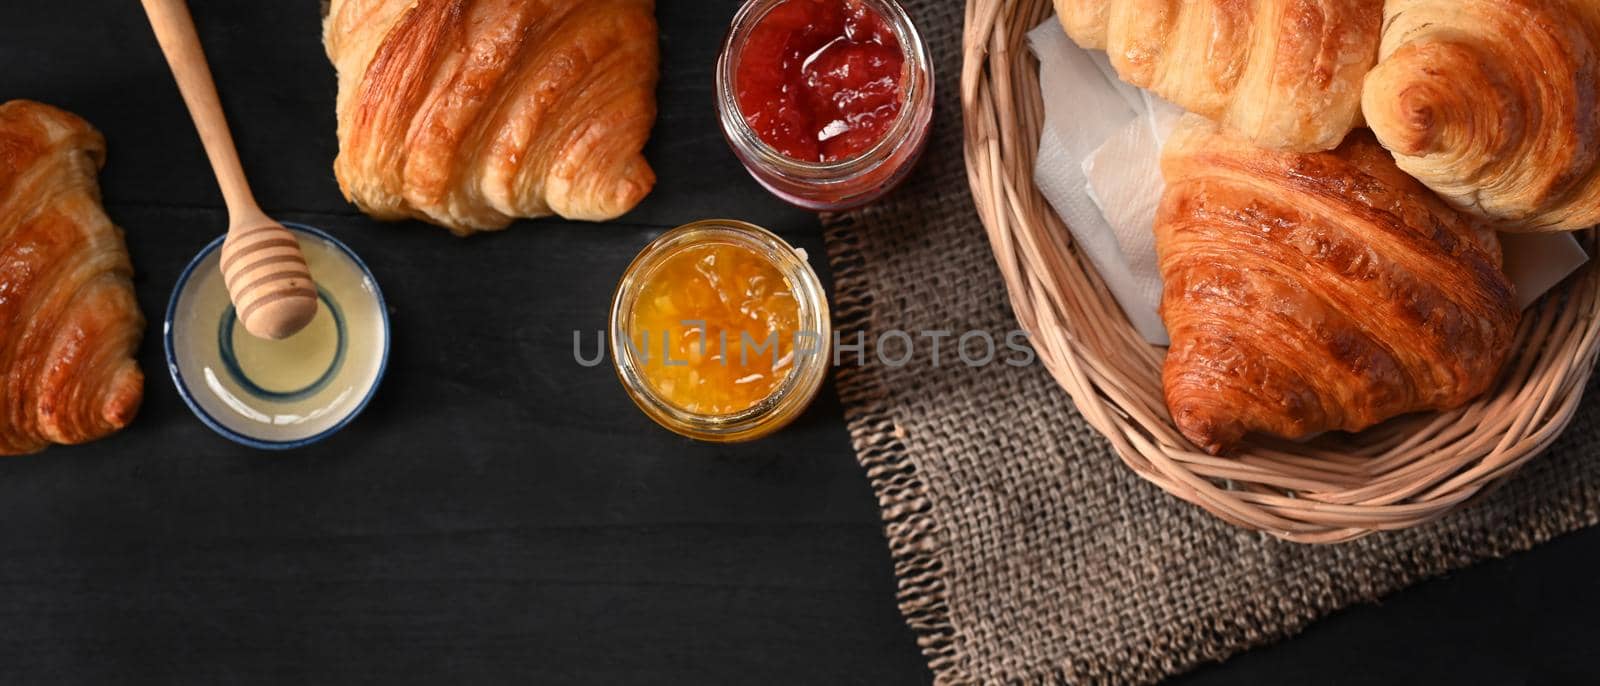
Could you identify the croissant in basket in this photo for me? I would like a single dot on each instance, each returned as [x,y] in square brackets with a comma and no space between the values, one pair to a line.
[1285,74]
[469,113]
[69,324]
[1493,104]
[1307,292]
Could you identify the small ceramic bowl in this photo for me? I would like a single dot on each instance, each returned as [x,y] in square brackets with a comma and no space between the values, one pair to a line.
[277,395]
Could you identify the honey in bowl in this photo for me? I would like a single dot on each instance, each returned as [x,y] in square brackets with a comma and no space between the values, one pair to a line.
[279,394]
[719,331]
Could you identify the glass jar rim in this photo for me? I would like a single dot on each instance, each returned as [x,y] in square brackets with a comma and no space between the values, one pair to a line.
[782,404]
[918,85]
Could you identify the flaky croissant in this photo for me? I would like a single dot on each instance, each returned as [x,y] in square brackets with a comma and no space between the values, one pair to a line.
[69,324]
[1493,104]
[1307,292]
[1284,73]
[469,113]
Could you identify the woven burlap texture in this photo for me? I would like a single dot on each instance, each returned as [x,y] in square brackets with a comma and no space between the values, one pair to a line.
[1024,549]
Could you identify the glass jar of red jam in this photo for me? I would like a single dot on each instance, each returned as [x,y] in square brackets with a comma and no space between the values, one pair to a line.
[826,102]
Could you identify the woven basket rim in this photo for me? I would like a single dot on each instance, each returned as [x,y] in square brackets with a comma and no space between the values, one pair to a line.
[1335,488]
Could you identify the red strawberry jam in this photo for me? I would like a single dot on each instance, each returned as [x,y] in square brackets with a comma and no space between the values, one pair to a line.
[819,80]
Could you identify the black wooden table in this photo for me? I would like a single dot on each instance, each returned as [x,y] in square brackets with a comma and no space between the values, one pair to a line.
[500,512]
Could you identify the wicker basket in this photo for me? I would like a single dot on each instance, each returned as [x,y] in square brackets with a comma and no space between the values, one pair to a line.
[1336,488]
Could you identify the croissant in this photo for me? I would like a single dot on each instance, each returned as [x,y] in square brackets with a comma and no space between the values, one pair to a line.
[1308,292]
[69,324]
[1284,73]
[469,113]
[1492,103]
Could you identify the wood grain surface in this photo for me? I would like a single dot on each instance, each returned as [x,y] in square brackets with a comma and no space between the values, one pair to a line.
[500,513]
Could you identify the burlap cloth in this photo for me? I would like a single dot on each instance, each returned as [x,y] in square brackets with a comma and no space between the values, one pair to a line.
[1025,550]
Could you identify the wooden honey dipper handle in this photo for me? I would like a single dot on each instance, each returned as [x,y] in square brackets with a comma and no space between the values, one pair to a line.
[266,274]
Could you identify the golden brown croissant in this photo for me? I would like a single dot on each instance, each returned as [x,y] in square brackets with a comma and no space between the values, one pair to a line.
[1307,292]
[1493,104]
[469,113]
[69,324]
[1284,73]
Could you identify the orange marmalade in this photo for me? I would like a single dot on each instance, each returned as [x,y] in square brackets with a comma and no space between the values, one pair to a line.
[720,331]
[716,325]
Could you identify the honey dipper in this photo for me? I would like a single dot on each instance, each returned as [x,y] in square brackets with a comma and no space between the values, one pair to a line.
[268,280]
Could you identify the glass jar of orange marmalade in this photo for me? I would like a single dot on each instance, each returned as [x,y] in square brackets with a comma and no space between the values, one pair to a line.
[826,102]
[720,331]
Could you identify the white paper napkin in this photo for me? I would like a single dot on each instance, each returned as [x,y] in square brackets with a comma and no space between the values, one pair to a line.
[1099,166]
[1074,128]
[1536,262]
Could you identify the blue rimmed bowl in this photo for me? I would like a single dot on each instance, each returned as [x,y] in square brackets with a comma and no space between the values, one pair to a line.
[281,394]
